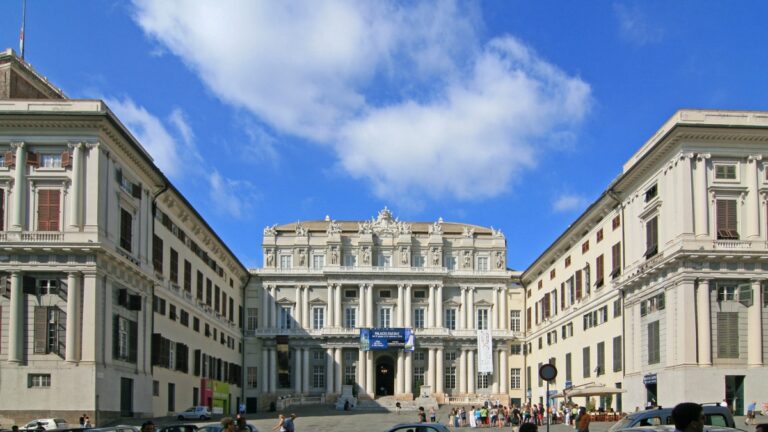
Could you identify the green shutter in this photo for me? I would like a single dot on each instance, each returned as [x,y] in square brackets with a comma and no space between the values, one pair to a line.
[41,330]
[728,335]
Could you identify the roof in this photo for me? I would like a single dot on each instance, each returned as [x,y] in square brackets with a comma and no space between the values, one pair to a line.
[452,228]
[22,81]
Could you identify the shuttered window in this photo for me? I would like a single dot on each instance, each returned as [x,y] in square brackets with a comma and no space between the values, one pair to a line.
[654,344]
[727,224]
[600,369]
[528,319]
[48,207]
[50,330]
[157,254]
[2,209]
[585,362]
[652,237]
[599,270]
[126,229]
[617,354]
[187,276]
[578,285]
[199,290]
[568,367]
[197,370]
[125,339]
[728,335]
[616,260]
[174,272]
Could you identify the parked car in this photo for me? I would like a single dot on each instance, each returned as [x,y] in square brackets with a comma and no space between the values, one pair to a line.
[120,428]
[47,424]
[671,428]
[715,414]
[216,427]
[184,427]
[419,427]
[195,412]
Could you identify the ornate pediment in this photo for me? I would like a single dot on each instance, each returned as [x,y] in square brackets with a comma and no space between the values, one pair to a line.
[384,224]
[451,304]
[483,303]
[286,302]
[317,302]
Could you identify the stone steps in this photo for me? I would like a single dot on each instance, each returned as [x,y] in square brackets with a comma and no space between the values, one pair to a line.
[389,403]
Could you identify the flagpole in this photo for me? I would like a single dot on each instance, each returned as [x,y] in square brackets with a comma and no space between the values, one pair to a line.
[23,21]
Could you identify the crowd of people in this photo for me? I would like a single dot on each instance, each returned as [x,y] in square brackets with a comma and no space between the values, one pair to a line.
[496,415]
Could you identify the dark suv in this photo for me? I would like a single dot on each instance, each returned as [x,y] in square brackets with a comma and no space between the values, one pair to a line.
[715,414]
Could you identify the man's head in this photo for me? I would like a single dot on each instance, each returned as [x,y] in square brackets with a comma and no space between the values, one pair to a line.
[762,427]
[293,416]
[528,427]
[227,424]
[148,426]
[688,417]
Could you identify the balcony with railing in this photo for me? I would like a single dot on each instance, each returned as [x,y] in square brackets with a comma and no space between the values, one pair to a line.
[353,332]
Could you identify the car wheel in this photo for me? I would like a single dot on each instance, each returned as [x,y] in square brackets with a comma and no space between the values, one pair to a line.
[202,417]
[180,417]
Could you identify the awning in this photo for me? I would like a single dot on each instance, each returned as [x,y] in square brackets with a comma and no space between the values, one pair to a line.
[594,389]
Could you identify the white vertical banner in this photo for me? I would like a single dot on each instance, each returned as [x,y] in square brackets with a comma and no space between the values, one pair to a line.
[484,352]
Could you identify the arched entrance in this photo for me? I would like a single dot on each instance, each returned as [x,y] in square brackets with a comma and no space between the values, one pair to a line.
[385,376]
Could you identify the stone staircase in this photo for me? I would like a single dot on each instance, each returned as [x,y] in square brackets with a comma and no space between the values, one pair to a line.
[389,403]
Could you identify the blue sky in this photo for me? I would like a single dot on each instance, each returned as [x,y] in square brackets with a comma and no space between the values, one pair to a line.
[515,114]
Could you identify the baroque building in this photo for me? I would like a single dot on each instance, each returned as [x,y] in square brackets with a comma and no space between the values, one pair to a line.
[112,286]
[659,287]
[323,281]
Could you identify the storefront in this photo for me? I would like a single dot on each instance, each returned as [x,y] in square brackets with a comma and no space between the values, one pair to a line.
[215,395]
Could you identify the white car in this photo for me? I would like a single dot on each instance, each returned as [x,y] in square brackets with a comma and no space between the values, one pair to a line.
[47,424]
[194,413]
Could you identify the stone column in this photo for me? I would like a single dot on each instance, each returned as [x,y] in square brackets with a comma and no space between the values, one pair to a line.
[496,310]
[361,373]
[400,306]
[19,187]
[471,374]
[306,319]
[754,326]
[495,375]
[338,372]
[369,304]
[297,366]
[272,370]
[76,194]
[504,313]
[439,372]
[685,311]
[299,306]
[704,323]
[463,371]
[700,201]
[439,307]
[408,373]
[306,374]
[16,324]
[470,308]
[686,196]
[400,383]
[264,318]
[504,371]
[408,314]
[362,308]
[369,370]
[331,304]
[753,198]
[337,305]
[463,309]
[329,371]
[430,381]
[431,311]
[73,314]
[96,306]
[273,306]
[264,386]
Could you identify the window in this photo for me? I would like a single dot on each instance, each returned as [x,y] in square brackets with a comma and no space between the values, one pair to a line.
[418,317]
[384,260]
[318,376]
[552,274]
[567,261]
[617,308]
[450,377]
[651,193]
[419,294]
[187,276]
[616,222]
[196,324]
[599,267]
[286,261]
[600,368]
[419,355]
[125,339]
[654,343]
[385,317]
[126,229]
[450,319]
[208,292]
[566,331]
[617,354]
[568,366]
[727,222]
[49,330]
[418,375]
[653,304]
[318,262]
[483,380]
[251,374]
[417,260]
[350,374]
[184,318]
[48,201]
[725,171]
[157,254]
[728,335]
[585,362]
[514,320]
[450,262]
[350,260]
[651,237]
[482,263]
[199,294]
[39,380]
[599,236]
[350,317]
[385,294]
[517,349]
[585,247]
[602,314]
[155,388]
[318,317]
[174,275]
[285,317]
[48,160]
[450,356]
[528,323]
[252,320]
[482,319]
[616,260]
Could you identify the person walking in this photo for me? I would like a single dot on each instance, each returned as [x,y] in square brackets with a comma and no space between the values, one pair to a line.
[81,420]
[422,416]
[432,415]
[289,424]
[582,423]
[87,423]
[227,424]
[280,426]
[751,413]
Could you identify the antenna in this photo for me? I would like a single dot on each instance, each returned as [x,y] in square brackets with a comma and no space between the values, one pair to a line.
[23,20]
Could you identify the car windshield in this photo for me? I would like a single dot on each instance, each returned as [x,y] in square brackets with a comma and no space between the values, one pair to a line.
[190,409]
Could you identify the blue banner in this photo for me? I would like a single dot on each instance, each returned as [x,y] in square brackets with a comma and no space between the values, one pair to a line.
[385,338]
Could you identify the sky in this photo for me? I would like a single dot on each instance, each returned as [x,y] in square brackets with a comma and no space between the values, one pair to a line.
[511,114]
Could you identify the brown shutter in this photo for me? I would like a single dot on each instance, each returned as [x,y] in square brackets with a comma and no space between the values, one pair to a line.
[115,337]
[133,341]
[48,202]
[10,159]
[61,332]
[33,159]
[599,271]
[2,209]
[41,330]
[66,159]
[727,226]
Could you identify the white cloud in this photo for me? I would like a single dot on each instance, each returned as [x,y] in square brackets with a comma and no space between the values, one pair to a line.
[177,154]
[568,203]
[636,27]
[404,93]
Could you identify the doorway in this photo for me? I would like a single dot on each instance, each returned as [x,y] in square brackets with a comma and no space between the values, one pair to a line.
[651,396]
[385,376]
[126,397]
[734,393]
